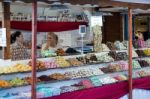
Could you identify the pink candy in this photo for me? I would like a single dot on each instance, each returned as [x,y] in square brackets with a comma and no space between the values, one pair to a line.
[51,64]
[87,83]
[123,65]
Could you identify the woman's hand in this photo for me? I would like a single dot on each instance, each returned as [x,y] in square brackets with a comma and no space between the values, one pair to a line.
[47,46]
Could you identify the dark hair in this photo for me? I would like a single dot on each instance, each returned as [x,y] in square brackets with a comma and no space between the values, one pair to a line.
[14,36]
[136,37]
[56,39]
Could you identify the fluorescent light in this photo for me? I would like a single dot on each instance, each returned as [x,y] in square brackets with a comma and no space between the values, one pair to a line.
[56,3]
[67,3]
[53,0]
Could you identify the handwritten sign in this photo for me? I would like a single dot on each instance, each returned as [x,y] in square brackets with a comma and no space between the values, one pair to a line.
[96,20]
[3,42]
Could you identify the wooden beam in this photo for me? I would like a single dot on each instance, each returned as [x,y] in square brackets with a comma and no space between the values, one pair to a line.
[143,14]
[6,24]
[123,4]
[34,36]
[130,51]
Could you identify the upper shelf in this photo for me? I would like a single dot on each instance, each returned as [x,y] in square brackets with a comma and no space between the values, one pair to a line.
[45,26]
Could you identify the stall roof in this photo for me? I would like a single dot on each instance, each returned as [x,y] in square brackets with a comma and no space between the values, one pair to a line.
[142,4]
[135,1]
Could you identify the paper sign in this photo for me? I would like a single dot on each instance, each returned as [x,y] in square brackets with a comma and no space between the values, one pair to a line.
[3,37]
[96,20]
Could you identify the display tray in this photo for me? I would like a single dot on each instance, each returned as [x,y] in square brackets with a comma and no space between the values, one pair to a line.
[92,52]
[86,77]
[71,66]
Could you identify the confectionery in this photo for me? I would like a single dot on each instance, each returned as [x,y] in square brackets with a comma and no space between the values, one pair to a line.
[111,46]
[74,49]
[135,64]
[119,45]
[58,76]
[143,63]
[62,62]
[75,62]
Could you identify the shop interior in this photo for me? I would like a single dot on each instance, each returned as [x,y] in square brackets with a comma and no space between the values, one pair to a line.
[82,53]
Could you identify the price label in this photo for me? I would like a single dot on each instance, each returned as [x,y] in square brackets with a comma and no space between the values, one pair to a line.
[96,20]
[3,42]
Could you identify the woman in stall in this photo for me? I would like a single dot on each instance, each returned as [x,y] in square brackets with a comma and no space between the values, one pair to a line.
[52,42]
[18,47]
[140,40]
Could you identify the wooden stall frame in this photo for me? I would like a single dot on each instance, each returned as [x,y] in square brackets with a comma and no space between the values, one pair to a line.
[6,24]
[34,31]
[130,51]
[34,41]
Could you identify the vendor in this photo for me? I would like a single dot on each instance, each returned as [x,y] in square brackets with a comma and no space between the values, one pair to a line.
[52,42]
[18,47]
[140,39]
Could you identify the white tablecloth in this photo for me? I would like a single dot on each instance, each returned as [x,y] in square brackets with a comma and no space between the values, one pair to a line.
[139,94]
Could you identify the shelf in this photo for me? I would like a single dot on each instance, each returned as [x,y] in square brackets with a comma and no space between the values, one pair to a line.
[46,26]
[86,77]
[58,68]
[98,63]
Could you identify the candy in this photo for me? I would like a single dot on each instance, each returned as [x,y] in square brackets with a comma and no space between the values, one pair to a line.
[147,52]
[75,62]
[104,58]
[48,53]
[68,89]
[105,48]
[140,53]
[45,78]
[119,45]
[95,81]
[60,52]
[58,76]
[114,67]
[16,68]
[39,65]
[135,64]
[134,54]
[50,64]
[87,83]
[148,43]
[17,82]
[62,62]
[91,58]
[4,84]
[142,73]
[84,72]
[107,80]
[111,46]
[148,61]
[120,77]
[143,63]
[123,65]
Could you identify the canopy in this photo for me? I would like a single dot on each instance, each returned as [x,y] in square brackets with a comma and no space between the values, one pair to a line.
[143,4]
[135,1]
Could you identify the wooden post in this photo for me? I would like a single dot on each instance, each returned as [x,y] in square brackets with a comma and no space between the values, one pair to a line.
[130,51]
[6,24]
[34,32]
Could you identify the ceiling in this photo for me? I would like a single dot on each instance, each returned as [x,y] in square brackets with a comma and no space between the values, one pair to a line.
[135,1]
[135,4]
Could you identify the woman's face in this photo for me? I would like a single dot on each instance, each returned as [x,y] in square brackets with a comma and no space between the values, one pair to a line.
[51,40]
[20,38]
[140,35]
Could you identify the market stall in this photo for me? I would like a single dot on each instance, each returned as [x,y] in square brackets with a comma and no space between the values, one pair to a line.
[111,67]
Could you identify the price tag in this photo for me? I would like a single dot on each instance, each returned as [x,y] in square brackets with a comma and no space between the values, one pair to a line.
[3,42]
[96,20]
